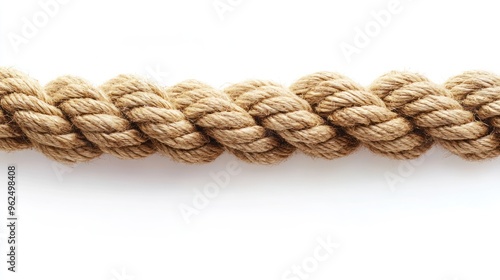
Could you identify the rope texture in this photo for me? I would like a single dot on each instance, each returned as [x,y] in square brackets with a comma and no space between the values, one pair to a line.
[324,115]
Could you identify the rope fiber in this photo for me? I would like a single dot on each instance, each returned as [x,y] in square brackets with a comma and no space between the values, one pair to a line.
[323,115]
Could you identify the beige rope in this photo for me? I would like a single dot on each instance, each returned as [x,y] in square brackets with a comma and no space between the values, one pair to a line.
[324,115]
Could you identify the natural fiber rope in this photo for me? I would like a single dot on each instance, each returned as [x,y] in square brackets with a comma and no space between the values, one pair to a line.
[324,115]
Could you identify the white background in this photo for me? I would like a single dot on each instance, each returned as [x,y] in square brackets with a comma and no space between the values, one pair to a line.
[119,220]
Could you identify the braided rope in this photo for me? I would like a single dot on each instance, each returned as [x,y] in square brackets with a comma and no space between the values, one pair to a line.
[324,115]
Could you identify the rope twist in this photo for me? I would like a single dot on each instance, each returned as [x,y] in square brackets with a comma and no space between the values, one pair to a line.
[323,115]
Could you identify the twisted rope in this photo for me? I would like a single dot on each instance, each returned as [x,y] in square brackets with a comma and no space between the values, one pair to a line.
[324,115]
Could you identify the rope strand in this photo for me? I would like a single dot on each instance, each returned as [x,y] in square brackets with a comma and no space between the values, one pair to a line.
[324,115]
